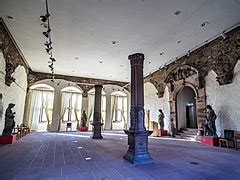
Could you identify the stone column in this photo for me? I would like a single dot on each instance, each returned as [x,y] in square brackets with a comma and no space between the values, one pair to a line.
[97,113]
[137,134]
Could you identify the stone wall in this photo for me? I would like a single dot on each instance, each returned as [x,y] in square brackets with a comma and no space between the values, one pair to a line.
[15,93]
[214,81]
[225,101]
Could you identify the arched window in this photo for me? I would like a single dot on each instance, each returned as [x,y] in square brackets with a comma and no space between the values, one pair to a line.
[41,106]
[119,109]
[71,104]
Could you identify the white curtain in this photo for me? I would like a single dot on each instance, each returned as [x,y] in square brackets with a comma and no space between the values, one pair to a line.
[35,109]
[65,100]
[103,109]
[77,107]
[90,107]
[48,104]
[113,108]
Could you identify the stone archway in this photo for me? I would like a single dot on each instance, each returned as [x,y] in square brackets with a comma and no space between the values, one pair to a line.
[186,76]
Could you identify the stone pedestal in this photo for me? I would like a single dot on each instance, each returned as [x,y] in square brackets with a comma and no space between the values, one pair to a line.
[210,140]
[83,128]
[97,124]
[138,147]
[8,139]
[137,134]
[162,132]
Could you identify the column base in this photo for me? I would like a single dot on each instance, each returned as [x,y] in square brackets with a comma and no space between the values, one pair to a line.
[210,140]
[162,132]
[8,139]
[138,147]
[97,130]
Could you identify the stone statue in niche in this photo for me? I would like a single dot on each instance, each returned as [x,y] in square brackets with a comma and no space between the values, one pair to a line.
[161,119]
[9,120]
[209,126]
[84,119]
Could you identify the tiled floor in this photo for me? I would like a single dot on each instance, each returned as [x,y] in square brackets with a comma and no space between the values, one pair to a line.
[65,156]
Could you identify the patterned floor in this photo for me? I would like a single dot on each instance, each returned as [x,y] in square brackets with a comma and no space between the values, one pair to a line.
[73,155]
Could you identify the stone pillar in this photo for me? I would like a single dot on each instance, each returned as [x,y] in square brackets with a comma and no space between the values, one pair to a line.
[97,113]
[137,134]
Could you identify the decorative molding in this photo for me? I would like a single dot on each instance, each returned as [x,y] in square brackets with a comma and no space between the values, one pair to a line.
[82,82]
[12,54]
[219,55]
[180,73]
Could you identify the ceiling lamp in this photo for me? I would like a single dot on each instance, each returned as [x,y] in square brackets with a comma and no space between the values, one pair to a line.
[224,36]
[46,33]
[44,18]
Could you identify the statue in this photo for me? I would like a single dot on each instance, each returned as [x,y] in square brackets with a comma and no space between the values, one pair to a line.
[9,120]
[84,119]
[209,126]
[161,119]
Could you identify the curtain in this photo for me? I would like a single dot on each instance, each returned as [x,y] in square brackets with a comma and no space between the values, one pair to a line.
[90,107]
[77,107]
[113,108]
[48,104]
[65,99]
[103,109]
[35,109]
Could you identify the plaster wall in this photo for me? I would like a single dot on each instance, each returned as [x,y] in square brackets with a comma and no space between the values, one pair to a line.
[225,101]
[153,103]
[16,93]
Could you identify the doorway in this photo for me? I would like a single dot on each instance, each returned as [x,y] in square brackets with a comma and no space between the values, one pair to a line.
[186,109]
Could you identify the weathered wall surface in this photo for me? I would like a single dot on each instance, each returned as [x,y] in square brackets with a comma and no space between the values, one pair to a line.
[225,100]
[153,103]
[16,93]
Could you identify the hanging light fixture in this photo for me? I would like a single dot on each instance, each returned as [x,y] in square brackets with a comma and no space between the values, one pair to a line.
[46,20]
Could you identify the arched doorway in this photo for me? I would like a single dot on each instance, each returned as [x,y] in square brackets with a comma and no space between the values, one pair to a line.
[186,108]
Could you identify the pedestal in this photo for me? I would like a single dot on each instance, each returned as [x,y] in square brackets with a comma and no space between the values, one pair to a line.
[97,130]
[138,147]
[8,139]
[162,132]
[210,141]
[83,128]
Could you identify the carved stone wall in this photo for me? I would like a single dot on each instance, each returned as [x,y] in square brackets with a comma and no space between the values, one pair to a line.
[12,54]
[219,55]
[83,82]
[178,79]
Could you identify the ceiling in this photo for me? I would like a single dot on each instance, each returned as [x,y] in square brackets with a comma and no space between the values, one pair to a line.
[83,31]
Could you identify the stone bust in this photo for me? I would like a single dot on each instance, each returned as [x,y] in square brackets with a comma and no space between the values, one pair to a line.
[9,120]
[161,119]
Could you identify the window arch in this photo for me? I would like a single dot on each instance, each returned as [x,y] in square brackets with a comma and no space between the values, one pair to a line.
[119,109]
[41,98]
[71,104]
